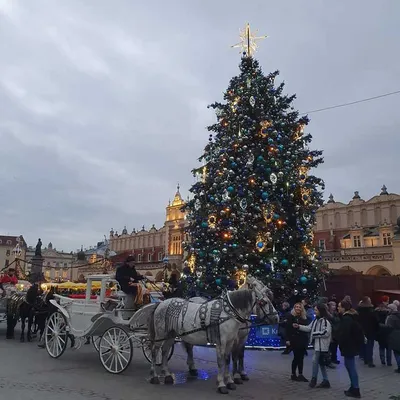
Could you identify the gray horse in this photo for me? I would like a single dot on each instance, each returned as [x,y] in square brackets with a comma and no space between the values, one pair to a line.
[238,371]
[217,321]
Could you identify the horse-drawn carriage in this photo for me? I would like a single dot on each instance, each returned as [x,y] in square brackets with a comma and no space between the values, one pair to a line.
[114,330]
[7,293]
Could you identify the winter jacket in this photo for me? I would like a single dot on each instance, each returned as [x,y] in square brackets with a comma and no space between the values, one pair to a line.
[125,275]
[382,312]
[393,322]
[298,339]
[369,321]
[350,336]
[334,319]
[7,279]
[283,320]
[320,333]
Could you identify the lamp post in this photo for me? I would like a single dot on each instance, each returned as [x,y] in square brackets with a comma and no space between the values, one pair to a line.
[17,251]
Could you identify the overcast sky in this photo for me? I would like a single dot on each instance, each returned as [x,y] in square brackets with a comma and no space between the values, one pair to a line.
[103,103]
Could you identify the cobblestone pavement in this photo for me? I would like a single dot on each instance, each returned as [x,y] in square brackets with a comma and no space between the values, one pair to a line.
[27,373]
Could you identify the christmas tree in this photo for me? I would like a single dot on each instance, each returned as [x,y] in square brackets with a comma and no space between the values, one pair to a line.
[254,202]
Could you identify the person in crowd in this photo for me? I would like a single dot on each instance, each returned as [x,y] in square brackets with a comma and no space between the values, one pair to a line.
[9,278]
[350,338]
[370,325]
[393,339]
[309,310]
[320,335]
[285,312]
[382,312]
[334,319]
[297,340]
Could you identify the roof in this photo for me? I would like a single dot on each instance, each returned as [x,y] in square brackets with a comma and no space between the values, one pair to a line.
[11,240]
[390,291]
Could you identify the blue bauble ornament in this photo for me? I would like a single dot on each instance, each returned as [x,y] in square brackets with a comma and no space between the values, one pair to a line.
[230,189]
[260,245]
[267,266]
[275,216]
[218,281]
[285,262]
[264,195]
[303,279]
[204,224]
[260,158]
[233,165]
[212,198]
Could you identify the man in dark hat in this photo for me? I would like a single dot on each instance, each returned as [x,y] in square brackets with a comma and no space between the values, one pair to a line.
[127,276]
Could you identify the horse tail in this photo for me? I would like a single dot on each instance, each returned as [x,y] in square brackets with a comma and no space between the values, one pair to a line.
[150,323]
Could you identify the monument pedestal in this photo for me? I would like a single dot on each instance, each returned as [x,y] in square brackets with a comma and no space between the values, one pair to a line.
[37,269]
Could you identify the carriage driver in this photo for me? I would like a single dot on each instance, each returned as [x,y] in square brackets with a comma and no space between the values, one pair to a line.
[128,277]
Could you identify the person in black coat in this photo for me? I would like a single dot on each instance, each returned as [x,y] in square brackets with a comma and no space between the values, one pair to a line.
[370,324]
[127,276]
[297,340]
[334,319]
[350,337]
[382,312]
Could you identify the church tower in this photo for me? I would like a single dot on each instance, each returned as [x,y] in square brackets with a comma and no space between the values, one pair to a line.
[175,225]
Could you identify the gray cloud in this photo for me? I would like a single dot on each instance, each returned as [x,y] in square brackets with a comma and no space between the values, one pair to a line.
[104,104]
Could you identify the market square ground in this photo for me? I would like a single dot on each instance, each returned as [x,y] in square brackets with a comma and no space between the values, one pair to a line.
[27,373]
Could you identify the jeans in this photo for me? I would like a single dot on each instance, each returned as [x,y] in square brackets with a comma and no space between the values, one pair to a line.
[397,358]
[298,361]
[333,347]
[385,351]
[316,367]
[367,351]
[350,364]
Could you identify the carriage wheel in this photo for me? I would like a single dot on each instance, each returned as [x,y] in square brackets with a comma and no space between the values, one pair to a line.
[55,335]
[96,342]
[147,353]
[115,350]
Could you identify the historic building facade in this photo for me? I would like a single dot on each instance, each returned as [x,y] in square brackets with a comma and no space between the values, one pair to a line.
[153,247]
[12,248]
[360,236]
[57,265]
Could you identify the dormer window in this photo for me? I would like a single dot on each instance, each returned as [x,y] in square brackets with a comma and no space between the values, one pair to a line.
[387,239]
[357,241]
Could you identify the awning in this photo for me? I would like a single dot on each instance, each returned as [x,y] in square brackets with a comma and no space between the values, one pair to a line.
[391,291]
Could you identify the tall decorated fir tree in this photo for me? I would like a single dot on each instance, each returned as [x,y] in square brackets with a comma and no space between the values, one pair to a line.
[253,206]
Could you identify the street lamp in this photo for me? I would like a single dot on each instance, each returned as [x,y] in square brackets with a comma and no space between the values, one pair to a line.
[17,251]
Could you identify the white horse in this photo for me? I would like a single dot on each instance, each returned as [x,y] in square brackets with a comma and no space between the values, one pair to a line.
[217,321]
[238,371]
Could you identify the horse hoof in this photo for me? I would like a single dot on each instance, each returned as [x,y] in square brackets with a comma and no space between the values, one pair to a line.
[231,386]
[193,372]
[238,381]
[155,380]
[245,377]
[168,380]
[223,390]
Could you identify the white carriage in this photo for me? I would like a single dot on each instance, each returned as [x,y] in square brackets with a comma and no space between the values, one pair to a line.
[115,331]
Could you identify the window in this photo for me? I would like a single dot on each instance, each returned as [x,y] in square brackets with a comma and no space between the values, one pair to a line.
[139,257]
[321,245]
[65,274]
[357,241]
[48,263]
[149,257]
[160,256]
[65,265]
[47,274]
[9,242]
[387,239]
[8,252]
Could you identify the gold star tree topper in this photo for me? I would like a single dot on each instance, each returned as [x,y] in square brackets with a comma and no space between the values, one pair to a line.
[248,43]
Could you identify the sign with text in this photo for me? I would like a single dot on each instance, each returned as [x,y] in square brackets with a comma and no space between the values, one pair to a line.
[267,331]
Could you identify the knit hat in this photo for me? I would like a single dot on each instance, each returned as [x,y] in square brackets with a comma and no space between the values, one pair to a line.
[385,299]
[392,307]
[396,302]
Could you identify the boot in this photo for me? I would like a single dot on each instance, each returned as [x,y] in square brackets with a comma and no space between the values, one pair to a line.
[324,385]
[302,378]
[354,393]
[293,377]
[313,383]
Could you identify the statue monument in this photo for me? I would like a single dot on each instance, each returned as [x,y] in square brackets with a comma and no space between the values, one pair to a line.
[37,264]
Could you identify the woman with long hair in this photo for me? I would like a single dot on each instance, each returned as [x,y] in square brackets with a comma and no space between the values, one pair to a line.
[297,340]
[320,335]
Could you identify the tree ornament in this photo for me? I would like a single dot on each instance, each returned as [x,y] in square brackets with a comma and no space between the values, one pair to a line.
[273,178]
[252,101]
